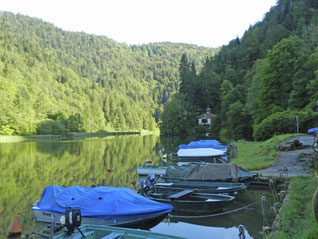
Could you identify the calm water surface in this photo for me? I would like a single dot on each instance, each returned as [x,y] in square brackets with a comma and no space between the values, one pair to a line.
[28,167]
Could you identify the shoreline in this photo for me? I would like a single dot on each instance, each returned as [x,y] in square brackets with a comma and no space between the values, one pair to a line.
[71,136]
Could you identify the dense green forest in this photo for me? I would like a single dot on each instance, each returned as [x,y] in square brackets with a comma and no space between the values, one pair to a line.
[54,82]
[256,86]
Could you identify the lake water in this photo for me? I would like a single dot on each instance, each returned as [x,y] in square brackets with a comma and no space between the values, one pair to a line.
[28,167]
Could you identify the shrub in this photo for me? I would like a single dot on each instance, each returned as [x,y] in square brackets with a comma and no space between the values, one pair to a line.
[284,123]
[6,130]
[50,127]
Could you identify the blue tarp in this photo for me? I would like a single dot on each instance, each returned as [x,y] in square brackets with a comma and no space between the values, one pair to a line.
[214,144]
[201,142]
[100,202]
[312,130]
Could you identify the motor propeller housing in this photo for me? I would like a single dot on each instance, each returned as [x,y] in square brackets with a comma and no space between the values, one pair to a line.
[73,219]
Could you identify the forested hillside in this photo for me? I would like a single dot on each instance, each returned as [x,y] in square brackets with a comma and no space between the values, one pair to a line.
[258,85]
[53,81]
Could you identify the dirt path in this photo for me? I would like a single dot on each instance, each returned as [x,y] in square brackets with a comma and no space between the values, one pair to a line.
[289,164]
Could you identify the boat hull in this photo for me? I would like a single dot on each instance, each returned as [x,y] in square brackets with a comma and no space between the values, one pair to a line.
[144,223]
[203,187]
[197,203]
[99,232]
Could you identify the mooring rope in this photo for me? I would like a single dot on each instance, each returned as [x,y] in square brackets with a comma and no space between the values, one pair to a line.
[273,190]
[263,200]
[20,214]
[217,214]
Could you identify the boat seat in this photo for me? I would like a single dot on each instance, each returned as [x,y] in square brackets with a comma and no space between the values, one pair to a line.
[77,235]
[112,235]
[181,194]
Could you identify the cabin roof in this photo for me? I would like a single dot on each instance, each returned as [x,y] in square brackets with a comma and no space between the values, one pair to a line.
[205,115]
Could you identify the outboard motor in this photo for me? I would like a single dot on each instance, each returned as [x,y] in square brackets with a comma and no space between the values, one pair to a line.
[73,219]
[147,184]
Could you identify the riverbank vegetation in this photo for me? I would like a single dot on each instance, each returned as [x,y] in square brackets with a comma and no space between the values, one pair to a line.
[259,155]
[297,219]
[258,86]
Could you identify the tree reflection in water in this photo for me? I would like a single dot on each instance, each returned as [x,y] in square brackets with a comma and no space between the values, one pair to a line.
[28,167]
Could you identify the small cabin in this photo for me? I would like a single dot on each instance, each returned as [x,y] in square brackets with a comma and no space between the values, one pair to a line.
[205,119]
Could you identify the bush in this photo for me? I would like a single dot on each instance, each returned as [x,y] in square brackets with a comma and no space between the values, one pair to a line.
[284,123]
[50,127]
[225,135]
[6,130]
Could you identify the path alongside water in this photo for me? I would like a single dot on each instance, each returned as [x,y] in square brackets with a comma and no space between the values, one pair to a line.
[289,164]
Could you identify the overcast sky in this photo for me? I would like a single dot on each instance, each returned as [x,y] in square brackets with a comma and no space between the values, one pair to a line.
[210,23]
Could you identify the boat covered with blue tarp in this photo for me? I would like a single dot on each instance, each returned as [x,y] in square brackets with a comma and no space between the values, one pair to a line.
[214,144]
[197,146]
[313,130]
[100,205]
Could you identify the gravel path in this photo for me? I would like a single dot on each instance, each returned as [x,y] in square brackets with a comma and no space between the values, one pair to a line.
[289,164]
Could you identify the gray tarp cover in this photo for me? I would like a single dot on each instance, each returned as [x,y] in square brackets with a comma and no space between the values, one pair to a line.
[217,171]
[208,172]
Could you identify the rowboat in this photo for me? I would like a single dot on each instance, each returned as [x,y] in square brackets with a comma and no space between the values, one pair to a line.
[189,201]
[202,186]
[100,206]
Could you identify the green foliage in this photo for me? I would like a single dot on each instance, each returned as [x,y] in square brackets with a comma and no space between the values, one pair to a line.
[258,155]
[100,85]
[238,122]
[50,127]
[216,128]
[284,122]
[297,218]
[179,117]
[95,83]
[259,79]
[276,83]
[6,130]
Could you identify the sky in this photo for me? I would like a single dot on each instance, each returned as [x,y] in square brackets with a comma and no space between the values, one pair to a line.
[210,23]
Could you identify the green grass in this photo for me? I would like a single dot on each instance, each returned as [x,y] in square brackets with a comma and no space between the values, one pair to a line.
[259,155]
[297,217]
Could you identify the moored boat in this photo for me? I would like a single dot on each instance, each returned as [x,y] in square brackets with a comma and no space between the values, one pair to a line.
[145,170]
[189,201]
[210,172]
[202,186]
[209,151]
[101,206]
[102,231]
[208,155]
[162,184]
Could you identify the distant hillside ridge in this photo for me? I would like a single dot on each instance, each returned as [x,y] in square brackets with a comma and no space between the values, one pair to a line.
[54,81]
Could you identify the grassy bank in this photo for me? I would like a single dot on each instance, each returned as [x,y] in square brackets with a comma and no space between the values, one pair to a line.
[297,218]
[259,155]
